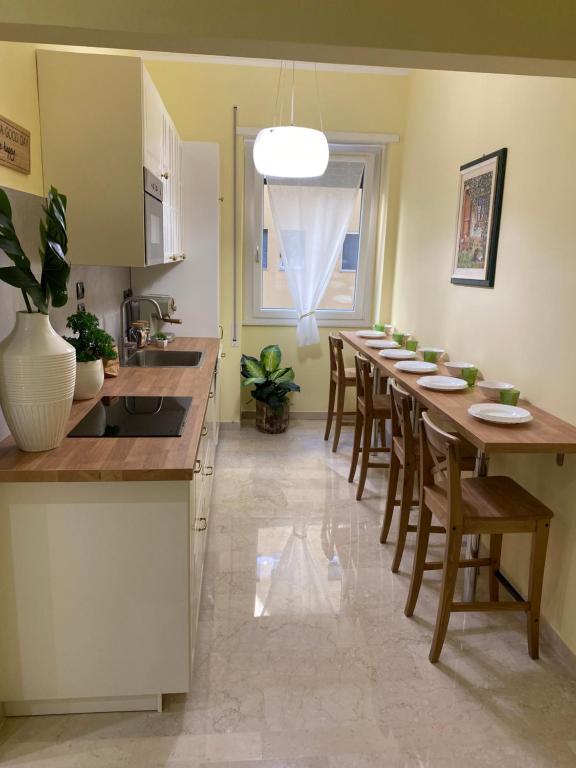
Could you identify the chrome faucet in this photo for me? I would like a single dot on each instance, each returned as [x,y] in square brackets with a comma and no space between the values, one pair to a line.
[125,343]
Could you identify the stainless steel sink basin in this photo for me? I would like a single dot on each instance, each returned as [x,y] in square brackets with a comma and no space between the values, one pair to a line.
[160,358]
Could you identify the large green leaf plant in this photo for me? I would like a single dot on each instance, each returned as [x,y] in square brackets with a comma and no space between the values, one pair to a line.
[271,383]
[52,286]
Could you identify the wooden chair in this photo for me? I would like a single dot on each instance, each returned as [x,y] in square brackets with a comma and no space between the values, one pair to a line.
[340,378]
[406,455]
[370,408]
[476,505]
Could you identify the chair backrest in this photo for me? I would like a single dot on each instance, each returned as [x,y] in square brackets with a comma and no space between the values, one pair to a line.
[336,345]
[402,417]
[363,380]
[439,454]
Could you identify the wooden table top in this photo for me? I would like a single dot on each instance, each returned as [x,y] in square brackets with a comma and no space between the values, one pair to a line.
[544,434]
[90,459]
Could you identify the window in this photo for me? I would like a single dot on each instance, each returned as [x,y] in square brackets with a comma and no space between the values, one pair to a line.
[347,299]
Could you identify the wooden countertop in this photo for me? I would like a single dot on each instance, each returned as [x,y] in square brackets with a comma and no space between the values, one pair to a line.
[544,434]
[90,459]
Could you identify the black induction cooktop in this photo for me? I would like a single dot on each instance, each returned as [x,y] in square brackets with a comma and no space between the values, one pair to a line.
[135,416]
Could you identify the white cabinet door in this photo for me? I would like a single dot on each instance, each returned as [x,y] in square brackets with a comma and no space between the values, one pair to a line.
[154,112]
[171,174]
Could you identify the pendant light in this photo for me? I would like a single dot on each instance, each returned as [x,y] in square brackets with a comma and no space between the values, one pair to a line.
[291,151]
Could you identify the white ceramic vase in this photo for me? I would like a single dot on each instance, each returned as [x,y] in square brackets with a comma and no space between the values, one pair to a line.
[89,379]
[37,375]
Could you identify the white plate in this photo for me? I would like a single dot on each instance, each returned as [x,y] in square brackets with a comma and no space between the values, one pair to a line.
[416,366]
[442,383]
[500,414]
[398,354]
[371,334]
[382,344]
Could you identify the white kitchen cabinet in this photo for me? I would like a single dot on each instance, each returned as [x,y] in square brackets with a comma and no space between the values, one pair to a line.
[195,284]
[102,120]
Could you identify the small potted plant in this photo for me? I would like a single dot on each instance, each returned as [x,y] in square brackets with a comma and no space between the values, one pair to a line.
[272,386]
[92,344]
[161,340]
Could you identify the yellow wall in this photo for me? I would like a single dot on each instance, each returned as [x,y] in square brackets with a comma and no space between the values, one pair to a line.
[523,329]
[200,98]
[19,103]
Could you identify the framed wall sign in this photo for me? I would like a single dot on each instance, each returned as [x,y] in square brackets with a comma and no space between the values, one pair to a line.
[14,146]
[479,211]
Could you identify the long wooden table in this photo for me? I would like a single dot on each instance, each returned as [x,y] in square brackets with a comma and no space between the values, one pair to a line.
[544,434]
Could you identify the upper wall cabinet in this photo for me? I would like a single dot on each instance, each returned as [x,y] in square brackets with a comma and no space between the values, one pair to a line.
[102,121]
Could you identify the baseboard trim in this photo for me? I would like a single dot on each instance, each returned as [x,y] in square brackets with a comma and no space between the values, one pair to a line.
[300,415]
[152,703]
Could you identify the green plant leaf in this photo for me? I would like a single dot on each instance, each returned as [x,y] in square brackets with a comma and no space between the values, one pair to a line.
[54,245]
[251,368]
[92,342]
[252,380]
[270,357]
[25,280]
[282,375]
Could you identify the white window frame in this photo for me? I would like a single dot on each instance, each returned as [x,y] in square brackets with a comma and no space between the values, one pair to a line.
[254,314]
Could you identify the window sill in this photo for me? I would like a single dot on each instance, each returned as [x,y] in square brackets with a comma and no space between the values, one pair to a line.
[333,322]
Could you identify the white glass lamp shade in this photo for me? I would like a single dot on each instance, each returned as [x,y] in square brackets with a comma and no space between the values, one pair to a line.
[291,152]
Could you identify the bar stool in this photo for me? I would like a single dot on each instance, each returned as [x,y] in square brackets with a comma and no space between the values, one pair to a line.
[340,378]
[370,407]
[406,455]
[476,505]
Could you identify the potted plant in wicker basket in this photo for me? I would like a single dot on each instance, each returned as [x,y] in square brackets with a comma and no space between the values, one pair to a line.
[272,386]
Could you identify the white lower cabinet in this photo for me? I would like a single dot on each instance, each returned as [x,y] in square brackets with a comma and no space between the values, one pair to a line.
[100,590]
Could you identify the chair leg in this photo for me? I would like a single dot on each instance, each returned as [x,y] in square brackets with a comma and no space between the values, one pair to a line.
[495,552]
[341,392]
[356,447]
[449,575]
[365,457]
[330,414]
[404,522]
[537,562]
[423,536]
[390,497]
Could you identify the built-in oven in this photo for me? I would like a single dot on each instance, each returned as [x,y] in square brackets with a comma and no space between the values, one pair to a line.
[153,218]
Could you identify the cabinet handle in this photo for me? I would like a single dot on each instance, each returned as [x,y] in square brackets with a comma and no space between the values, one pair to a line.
[164,175]
[208,471]
[203,524]
[223,354]
[211,394]
[197,466]
[204,431]
[220,332]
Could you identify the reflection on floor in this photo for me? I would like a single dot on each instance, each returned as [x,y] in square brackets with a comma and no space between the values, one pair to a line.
[305,658]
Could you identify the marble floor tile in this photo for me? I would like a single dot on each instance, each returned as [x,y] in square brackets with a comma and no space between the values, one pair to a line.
[304,658]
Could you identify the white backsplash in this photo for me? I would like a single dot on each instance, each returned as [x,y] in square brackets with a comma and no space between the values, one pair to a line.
[103,286]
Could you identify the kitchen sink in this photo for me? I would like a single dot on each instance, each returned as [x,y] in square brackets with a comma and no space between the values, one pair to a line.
[160,358]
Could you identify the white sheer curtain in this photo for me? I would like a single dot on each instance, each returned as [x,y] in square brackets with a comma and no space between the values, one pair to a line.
[311,218]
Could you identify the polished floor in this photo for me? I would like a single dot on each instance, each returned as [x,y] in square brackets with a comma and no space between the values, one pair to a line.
[304,657]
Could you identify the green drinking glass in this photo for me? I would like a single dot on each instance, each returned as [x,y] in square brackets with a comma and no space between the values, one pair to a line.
[430,356]
[378,327]
[469,375]
[509,396]
[412,345]
[398,338]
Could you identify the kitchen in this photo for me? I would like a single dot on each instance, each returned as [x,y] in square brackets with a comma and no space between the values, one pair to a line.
[204,118]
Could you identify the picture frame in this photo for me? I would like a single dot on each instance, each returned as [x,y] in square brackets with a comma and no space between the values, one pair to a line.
[478,224]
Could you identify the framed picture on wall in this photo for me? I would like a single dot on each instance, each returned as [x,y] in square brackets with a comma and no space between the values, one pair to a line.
[479,211]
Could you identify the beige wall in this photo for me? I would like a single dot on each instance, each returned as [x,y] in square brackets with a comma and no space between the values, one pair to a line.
[523,329]
[200,98]
[19,103]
